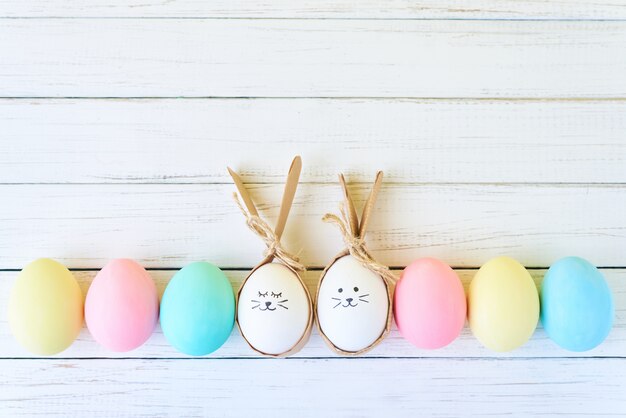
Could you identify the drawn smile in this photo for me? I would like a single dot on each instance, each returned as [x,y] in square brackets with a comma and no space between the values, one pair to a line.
[267,309]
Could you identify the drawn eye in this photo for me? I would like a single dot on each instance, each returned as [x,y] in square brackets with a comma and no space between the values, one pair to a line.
[340,290]
[262,295]
[277,295]
[356,289]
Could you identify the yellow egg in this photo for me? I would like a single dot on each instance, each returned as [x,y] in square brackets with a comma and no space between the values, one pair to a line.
[45,307]
[503,304]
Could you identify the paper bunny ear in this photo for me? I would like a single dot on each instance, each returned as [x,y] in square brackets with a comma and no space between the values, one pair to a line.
[288,195]
[369,205]
[243,192]
[271,236]
[352,216]
[290,191]
[357,227]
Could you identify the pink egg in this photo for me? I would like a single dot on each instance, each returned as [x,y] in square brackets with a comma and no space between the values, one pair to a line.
[122,306]
[429,304]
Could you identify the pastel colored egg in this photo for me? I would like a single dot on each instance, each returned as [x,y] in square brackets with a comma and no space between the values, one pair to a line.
[576,304]
[45,307]
[352,305]
[273,309]
[503,304]
[429,304]
[122,306]
[198,309]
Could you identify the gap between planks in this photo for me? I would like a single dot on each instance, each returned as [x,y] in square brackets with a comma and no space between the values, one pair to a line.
[338,98]
[296,357]
[237,269]
[358,19]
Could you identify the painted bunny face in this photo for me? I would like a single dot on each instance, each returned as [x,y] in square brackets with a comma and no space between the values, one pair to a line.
[273,310]
[353,305]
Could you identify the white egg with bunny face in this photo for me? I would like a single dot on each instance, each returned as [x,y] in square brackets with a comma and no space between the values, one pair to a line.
[352,305]
[274,310]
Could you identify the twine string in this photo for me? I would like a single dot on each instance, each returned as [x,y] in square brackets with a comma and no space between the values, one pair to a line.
[269,237]
[356,245]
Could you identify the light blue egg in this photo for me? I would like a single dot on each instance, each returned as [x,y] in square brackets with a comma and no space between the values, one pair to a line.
[576,304]
[198,309]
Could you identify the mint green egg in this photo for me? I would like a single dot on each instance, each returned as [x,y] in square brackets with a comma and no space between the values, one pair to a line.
[198,309]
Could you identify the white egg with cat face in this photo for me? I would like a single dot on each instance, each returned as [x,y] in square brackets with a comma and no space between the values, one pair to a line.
[273,310]
[352,305]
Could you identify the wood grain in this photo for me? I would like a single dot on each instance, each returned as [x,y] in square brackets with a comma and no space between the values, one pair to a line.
[365,9]
[499,124]
[172,225]
[393,346]
[330,387]
[311,58]
[413,141]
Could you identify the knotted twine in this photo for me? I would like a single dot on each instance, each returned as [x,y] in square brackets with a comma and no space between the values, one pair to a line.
[269,237]
[356,245]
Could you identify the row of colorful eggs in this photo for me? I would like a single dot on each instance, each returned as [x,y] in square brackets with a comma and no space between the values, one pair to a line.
[198,310]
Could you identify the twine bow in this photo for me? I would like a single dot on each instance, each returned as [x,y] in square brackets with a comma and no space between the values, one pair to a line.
[356,245]
[269,237]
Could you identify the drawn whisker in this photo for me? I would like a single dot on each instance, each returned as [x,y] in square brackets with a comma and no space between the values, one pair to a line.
[283,301]
[337,304]
[282,306]
[363,300]
[362,296]
[252,300]
[255,306]
[336,298]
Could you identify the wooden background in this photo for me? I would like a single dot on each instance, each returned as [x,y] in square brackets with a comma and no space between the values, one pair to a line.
[501,127]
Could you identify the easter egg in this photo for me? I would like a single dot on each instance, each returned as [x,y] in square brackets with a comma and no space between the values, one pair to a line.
[352,305]
[503,305]
[122,306]
[274,309]
[429,304]
[576,304]
[45,307]
[198,309]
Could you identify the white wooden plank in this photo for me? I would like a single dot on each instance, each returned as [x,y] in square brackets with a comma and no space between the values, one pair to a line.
[192,141]
[367,9]
[311,388]
[338,58]
[172,225]
[393,346]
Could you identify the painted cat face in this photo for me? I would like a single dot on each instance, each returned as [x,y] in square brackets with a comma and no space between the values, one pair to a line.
[269,301]
[350,297]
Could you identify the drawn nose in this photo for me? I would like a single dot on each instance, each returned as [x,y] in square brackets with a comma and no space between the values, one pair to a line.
[268,303]
[349,300]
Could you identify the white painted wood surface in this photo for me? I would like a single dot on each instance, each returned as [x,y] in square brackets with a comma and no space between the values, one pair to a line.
[413,141]
[171,225]
[501,127]
[314,387]
[365,9]
[311,58]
